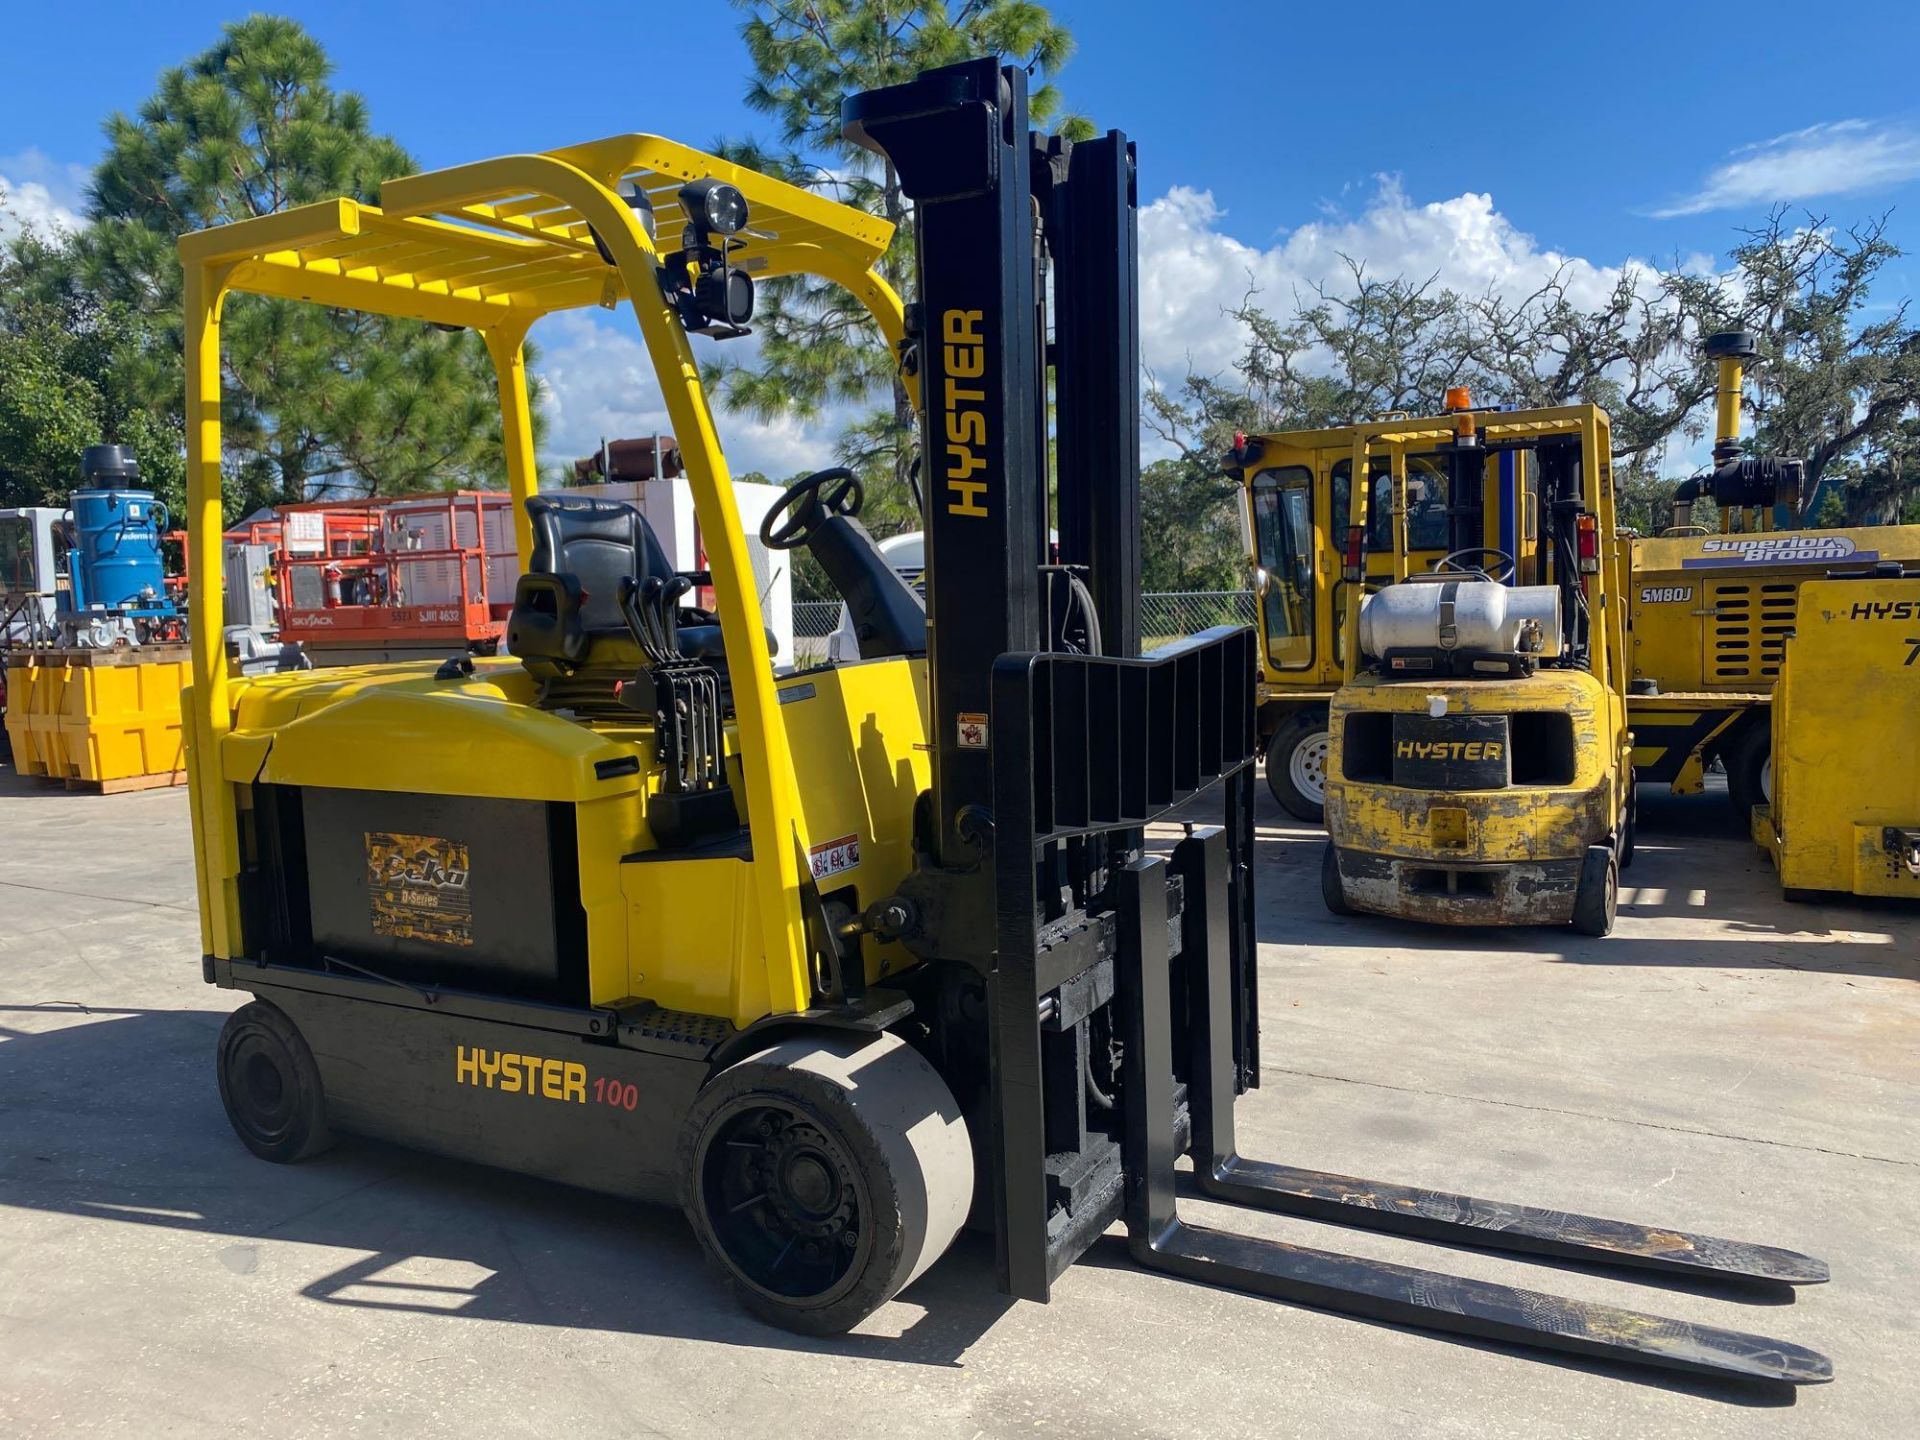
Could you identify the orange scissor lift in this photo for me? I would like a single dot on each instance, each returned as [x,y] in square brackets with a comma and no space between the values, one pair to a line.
[370,580]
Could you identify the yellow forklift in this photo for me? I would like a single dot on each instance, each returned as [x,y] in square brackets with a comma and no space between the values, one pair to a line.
[837,959]
[1477,764]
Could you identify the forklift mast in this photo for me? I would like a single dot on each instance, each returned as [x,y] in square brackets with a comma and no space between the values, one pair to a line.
[1116,985]
[1045,767]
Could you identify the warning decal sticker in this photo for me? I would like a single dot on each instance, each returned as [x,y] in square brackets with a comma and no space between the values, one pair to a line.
[834,857]
[418,888]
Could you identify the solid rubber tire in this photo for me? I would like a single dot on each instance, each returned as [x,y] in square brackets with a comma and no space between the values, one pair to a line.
[1597,901]
[1332,892]
[879,1099]
[256,1035]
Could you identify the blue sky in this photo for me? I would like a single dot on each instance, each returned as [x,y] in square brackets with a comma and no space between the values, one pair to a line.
[1271,135]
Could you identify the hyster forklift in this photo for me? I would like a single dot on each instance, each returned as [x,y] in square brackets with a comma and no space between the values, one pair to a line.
[1477,766]
[837,958]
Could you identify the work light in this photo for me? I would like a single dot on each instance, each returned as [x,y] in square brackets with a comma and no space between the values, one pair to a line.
[714,207]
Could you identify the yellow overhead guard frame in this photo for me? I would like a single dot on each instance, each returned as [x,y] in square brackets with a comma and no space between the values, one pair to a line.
[492,247]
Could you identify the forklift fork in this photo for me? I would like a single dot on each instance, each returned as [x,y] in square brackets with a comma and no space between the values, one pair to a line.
[1161,1240]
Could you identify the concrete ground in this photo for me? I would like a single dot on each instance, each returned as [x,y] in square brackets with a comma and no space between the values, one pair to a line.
[1724,1062]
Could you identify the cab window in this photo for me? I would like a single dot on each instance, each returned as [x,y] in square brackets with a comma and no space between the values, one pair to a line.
[1283,532]
[1426,502]
[16,556]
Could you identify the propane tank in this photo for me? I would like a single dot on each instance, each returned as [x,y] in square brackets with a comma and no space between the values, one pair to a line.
[1471,615]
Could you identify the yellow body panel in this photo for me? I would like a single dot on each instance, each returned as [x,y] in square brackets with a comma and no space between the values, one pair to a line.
[97,717]
[1518,823]
[1711,613]
[679,930]
[1844,763]
[493,246]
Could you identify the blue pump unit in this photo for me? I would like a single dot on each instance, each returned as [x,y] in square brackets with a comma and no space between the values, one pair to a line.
[114,567]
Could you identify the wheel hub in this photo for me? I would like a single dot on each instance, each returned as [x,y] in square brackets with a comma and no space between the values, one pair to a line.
[804,1184]
[783,1202]
[1307,767]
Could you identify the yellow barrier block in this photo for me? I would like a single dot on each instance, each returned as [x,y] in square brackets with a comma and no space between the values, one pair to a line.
[108,719]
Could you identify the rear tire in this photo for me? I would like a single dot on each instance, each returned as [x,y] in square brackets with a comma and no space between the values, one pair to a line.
[824,1175]
[270,1086]
[1748,757]
[1597,901]
[1331,890]
[1297,765]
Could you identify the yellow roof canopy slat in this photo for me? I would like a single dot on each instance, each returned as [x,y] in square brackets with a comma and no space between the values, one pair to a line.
[474,245]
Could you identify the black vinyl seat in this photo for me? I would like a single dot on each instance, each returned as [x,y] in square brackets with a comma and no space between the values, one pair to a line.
[567,624]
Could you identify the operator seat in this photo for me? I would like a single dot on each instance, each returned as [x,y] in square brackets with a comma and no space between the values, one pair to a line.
[567,627]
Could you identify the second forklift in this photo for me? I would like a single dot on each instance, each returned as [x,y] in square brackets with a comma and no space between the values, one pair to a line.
[1477,767]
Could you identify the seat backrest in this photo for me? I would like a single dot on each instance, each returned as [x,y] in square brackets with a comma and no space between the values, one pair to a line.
[597,542]
[566,608]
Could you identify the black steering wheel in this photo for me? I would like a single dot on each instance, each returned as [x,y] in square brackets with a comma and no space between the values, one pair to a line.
[795,515]
[1501,571]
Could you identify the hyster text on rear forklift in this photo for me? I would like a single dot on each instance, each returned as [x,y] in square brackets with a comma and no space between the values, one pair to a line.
[1478,768]
[833,958]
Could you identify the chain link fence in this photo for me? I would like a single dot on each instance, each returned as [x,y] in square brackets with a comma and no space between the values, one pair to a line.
[1176,614]
[1164,615]
[813,622]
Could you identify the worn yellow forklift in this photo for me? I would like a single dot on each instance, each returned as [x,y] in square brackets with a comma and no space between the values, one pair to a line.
[836,958]
[1708,610]
[1477,755]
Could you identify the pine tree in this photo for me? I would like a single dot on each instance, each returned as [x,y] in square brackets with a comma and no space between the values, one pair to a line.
[817,348]
[317,402]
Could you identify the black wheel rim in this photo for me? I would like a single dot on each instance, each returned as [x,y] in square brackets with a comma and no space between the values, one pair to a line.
[784,1201]
[262,1094]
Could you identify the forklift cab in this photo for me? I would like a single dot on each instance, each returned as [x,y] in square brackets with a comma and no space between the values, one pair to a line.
[1297,502]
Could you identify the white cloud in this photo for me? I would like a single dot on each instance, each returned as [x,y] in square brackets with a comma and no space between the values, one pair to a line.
[1191,269]
[1843,157]
[600,384]
[40,192]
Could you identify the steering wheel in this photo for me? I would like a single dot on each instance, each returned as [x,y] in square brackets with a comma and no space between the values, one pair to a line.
[1501,571]
[796,514]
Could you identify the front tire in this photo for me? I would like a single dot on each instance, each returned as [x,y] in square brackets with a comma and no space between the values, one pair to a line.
[270,1085]
[1597,901]
[1297,765]
[824,1175]
[1332,892]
